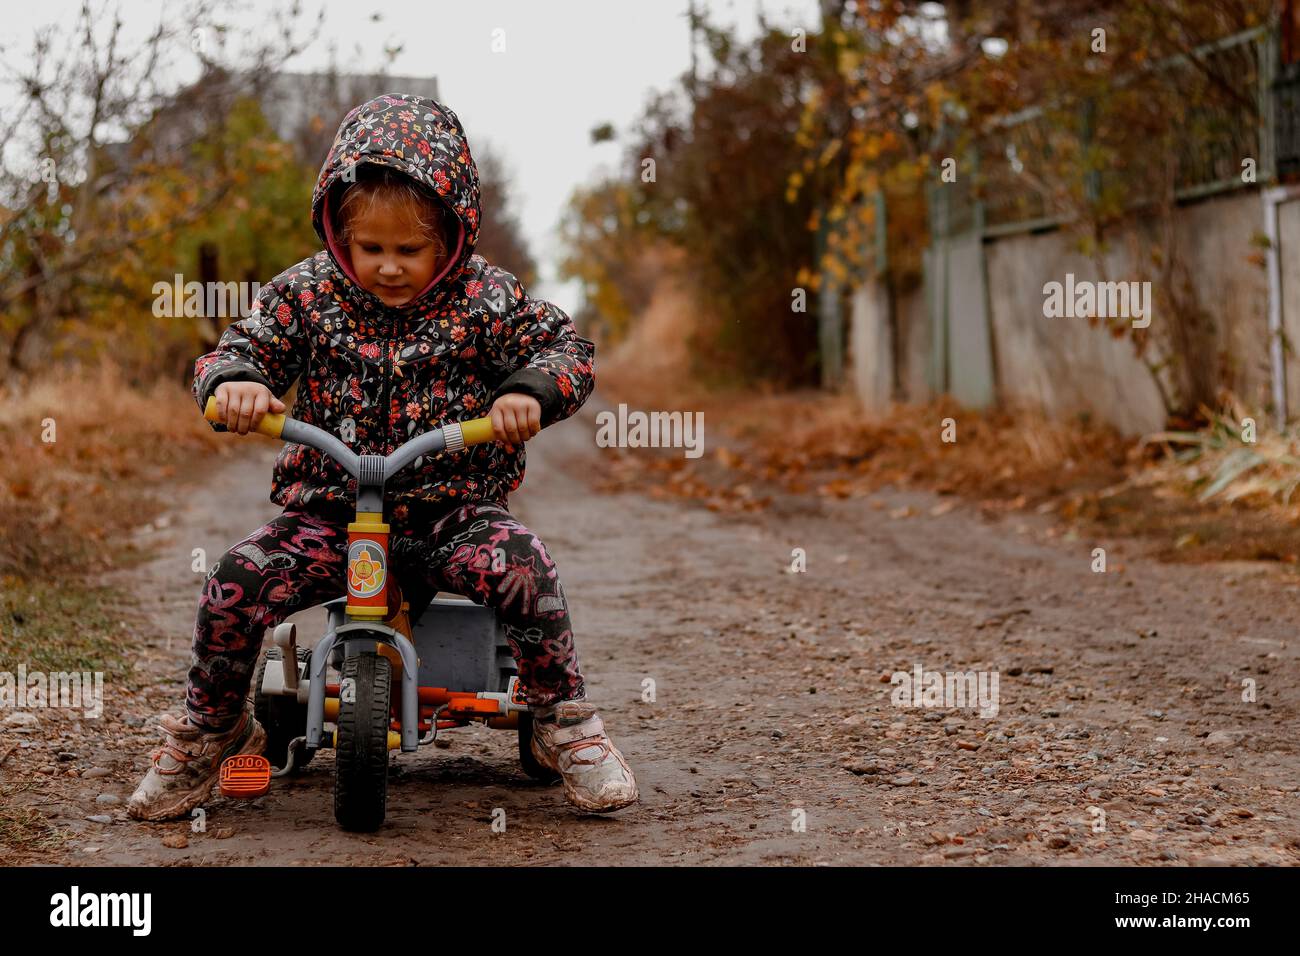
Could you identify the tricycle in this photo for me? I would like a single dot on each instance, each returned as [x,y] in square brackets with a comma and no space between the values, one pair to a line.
[398,677]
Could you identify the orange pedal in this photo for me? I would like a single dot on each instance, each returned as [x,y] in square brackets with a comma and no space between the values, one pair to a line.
[245,775]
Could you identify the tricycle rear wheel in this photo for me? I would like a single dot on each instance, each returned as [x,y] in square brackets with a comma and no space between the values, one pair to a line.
[531,767]
[283,718]
[361,757]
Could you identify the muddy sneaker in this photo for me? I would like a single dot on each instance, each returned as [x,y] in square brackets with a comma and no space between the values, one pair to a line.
[187,765]
[570,739]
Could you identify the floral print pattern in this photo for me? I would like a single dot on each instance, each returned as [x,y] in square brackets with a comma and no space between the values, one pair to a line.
[377,376]
[298,560]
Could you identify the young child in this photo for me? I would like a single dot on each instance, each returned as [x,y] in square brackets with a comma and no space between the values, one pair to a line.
[396,327]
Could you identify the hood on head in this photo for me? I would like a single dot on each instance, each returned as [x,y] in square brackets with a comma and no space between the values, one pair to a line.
[421,138]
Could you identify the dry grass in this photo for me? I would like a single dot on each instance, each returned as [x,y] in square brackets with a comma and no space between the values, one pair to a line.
[993,453]
[1221,462]
[829,444]
[23,828]
[1207,497]
[63,502]
[652,365]
[66,509]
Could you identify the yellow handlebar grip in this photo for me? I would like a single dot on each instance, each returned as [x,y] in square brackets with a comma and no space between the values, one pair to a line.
[271,424]
[476,431]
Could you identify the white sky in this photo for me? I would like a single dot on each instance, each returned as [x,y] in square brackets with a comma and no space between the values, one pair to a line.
[568,65]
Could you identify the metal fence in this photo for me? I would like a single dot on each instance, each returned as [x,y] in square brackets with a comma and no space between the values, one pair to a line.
[1223,124]
[1286,120]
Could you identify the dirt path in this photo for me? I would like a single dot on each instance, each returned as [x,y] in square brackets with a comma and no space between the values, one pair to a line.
[1121,736]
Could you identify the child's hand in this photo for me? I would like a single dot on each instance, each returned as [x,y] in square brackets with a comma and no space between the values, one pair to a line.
[516,418]
[242,404]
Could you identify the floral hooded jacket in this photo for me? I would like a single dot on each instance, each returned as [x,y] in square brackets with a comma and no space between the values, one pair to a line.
[377,376]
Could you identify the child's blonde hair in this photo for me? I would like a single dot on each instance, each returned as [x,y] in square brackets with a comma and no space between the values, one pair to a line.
[375,183]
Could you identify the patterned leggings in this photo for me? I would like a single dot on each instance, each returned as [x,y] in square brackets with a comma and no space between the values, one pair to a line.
[296,561]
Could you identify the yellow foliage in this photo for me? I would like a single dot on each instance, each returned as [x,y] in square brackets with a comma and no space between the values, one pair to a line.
[935,94]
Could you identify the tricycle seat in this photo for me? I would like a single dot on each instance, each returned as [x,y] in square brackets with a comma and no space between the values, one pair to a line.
[460,645]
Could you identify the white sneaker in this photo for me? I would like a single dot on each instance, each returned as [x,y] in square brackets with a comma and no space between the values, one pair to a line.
[570,739]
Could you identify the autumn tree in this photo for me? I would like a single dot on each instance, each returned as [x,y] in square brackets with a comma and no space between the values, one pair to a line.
[86,160]
[705,168]
[1090,114]
[501,238]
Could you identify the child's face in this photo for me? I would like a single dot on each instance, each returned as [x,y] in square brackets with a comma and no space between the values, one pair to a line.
[389,255]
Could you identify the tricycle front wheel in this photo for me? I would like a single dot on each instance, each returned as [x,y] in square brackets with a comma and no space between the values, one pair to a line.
[361,757]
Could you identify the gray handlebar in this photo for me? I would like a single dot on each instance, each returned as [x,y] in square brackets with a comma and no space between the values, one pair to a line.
[321,440]
[448,436]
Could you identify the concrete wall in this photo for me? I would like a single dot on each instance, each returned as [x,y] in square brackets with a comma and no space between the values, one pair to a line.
[873,350]
[970,352]
[1216,240]
[1064,366]
[915,342]
[1067,366]
[871,346]
[1288,221]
